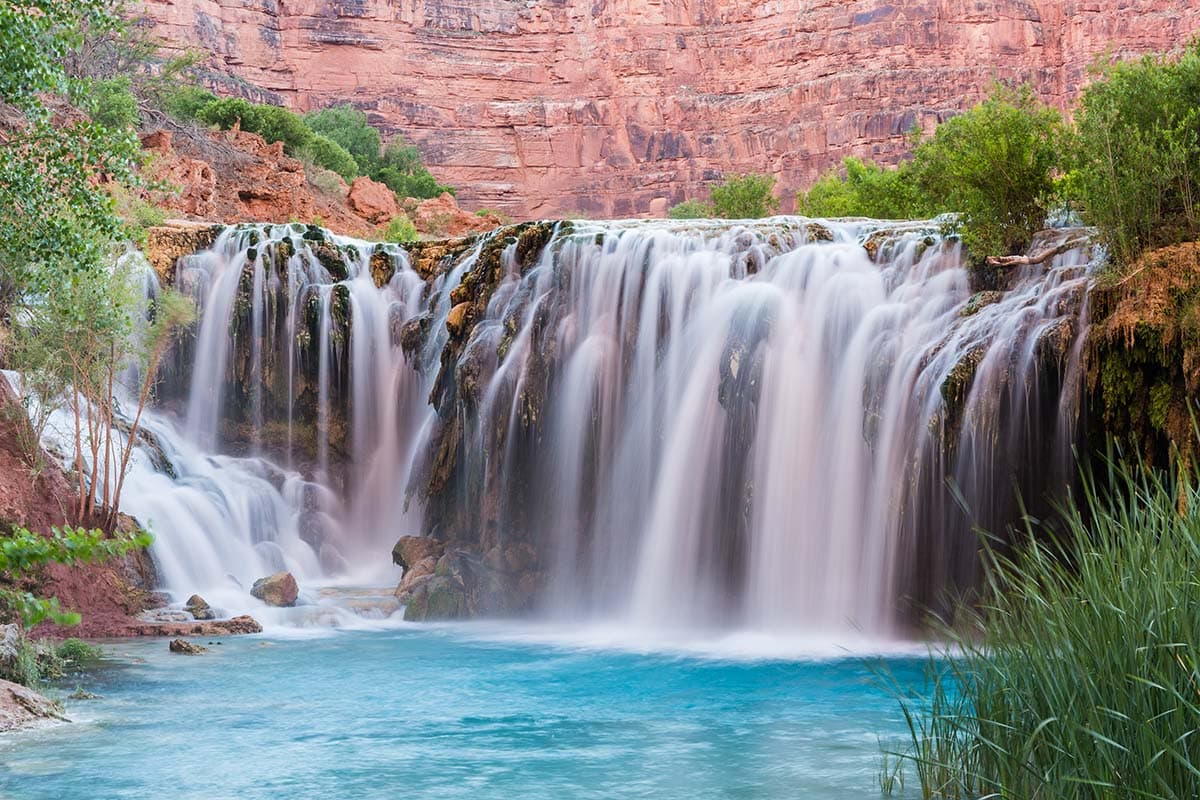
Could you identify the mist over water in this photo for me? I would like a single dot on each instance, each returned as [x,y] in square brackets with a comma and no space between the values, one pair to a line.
[746,425]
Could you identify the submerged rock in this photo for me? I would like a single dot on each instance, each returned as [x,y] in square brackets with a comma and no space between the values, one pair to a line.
[278,590]
[184,647]
[21,706]
[199,608]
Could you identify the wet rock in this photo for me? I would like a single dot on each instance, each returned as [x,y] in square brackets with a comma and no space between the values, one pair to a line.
[167,243]
[21,706]
[186,648]
[164,615]
[980,300]
[198,607]
[220,627]
[410,550]
[278,590]
[456,320]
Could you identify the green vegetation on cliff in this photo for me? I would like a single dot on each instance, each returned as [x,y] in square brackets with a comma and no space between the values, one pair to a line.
[737,197]
[1130,165]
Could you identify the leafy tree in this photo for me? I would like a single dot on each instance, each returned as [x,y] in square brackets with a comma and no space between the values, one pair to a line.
[327,153]
[994,165]
[36,36]
[745,197]
[348,127]
[865,189]
[404,173]
[1136,156]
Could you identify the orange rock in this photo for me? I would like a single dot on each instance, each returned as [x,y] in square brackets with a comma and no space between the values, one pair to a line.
[546,107]
[457,318]
[442,217]
[372,200]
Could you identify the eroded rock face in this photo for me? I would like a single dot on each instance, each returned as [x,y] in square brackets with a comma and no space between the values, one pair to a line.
[620,107]
[372,200]
[21,706]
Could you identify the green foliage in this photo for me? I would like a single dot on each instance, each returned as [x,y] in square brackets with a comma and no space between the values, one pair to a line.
[400,230]
[400,168]
[22,553]
[1137,153]
[75,653]
[113,104]
[348,127]
[745,197]
[865,189]
[1077,676]
[36,36]
[994,165]
[273,123]
[328,154]
[186,102]
[691,209]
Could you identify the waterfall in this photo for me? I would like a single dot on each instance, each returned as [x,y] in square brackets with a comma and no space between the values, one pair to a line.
[782,424]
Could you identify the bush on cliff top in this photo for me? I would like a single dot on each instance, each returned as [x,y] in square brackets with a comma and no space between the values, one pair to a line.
[737,197]
[1137,153]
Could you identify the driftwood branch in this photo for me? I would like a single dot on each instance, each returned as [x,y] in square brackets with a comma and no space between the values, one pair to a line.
[1037,258]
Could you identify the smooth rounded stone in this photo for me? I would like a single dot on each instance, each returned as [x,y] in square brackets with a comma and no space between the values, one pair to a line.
[186,648]
[278,590]
[411,549]
[21,706]
[199,608]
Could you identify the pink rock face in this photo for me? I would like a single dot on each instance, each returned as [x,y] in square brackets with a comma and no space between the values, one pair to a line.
[372,200]
[547,107]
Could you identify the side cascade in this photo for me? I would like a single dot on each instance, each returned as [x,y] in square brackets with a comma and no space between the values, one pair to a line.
[782,424]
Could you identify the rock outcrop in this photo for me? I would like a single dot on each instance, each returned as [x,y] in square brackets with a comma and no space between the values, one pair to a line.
[278,590]
[615,107]
[372,200]
[21,706]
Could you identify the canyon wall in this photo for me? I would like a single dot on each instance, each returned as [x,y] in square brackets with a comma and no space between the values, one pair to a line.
[622,107]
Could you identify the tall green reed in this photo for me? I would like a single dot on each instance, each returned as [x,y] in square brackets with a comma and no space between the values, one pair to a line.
[1078,674]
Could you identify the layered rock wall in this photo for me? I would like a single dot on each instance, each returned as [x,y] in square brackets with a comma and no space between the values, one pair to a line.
[548,107]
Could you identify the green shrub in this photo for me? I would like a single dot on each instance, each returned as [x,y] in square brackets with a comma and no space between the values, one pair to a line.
[75,653]
[273,123]
[400,230]
[1137,153]
[745,197]
[691,209]
[348,127]
[401,169]
[994,165]
[864,189]
[186,103]
[325,152]
[113,104]
[1078,675]
[276,124]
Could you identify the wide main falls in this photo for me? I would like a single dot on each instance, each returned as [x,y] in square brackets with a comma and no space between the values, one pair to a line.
[785,425]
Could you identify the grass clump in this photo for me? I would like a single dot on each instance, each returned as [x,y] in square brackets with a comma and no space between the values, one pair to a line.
[1079,674]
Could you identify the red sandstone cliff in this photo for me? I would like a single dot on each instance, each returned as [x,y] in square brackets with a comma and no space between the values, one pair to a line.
[544,107]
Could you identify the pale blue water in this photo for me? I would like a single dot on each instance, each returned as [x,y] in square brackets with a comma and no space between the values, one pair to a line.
[459,713]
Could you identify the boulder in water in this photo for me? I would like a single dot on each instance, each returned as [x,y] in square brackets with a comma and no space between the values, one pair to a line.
[410,550]
[199,608]
[186,648]
[279,589]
